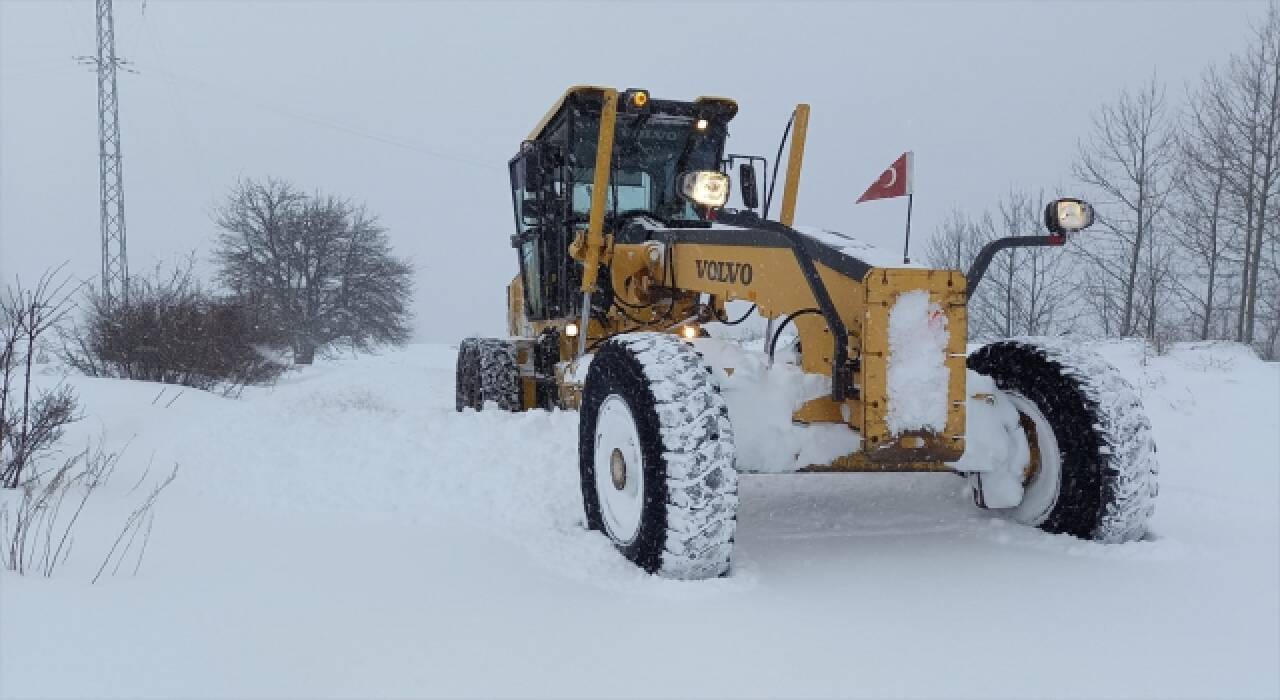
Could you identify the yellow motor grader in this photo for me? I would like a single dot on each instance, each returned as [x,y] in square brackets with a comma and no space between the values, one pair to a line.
[629,257]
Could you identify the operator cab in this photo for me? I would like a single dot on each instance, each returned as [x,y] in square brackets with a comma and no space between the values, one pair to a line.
[655,142]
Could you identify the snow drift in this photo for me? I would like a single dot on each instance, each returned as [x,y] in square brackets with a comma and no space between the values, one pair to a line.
[346,533]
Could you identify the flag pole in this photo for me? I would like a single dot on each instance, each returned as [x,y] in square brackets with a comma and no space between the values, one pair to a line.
[906,247]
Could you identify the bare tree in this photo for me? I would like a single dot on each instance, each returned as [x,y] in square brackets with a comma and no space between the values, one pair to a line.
[1130,160]
[955,244]
[1202,227]
[317,270]
[31,421]
[1238,114]
[1027,291]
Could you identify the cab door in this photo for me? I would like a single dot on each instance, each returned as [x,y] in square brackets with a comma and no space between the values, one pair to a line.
[530,225]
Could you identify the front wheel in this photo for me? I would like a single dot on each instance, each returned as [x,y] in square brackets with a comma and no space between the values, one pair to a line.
[656,457]
[1092,467]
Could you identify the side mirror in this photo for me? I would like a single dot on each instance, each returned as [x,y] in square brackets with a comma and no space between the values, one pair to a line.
[1069,215]
[750,193]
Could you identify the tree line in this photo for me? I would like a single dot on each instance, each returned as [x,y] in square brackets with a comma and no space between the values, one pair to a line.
[1187,240]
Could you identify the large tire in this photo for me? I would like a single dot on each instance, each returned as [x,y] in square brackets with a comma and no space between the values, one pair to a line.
[487,371]
[546,354]
[467,377]
[1099,441]
[657,458]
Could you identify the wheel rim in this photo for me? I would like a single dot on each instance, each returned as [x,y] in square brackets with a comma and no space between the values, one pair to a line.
[1042,484]
[619,469]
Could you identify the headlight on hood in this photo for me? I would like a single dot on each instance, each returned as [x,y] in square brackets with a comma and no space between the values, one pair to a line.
[710,188]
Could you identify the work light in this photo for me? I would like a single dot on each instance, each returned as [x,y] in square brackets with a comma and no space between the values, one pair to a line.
[1068,216]
[710,188]
[635,100]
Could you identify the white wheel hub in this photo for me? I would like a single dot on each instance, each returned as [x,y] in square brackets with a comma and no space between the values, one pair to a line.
[1042,475]
[619,469]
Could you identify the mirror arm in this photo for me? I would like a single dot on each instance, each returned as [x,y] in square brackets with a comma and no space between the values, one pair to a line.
[983,260]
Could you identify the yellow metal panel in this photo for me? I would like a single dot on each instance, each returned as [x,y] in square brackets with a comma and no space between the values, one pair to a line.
[883,286]
[820,410]
[795,158]
[515,306]
[528,393]
[600,187]
[774,281]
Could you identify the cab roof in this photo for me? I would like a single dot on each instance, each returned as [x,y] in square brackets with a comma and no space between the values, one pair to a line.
[595,90]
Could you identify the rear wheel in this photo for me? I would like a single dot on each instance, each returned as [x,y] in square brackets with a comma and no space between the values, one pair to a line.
[1092,468]
[657,458]
[487,371]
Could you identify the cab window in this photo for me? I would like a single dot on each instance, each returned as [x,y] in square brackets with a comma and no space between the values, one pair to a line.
[525,204]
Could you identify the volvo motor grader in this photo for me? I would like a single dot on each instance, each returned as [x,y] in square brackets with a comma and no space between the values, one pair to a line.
[629,259]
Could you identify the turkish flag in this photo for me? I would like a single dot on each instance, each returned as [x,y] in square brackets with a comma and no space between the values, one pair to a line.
[895,181]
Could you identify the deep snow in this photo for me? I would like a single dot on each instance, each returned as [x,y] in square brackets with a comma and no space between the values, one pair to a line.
[347,534]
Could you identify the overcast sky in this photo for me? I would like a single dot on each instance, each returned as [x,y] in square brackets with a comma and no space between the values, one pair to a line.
[414,108]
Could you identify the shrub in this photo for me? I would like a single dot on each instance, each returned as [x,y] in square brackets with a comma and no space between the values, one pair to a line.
[38,520]
[171,330]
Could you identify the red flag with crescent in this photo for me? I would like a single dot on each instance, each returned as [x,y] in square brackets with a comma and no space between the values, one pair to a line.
[895,181]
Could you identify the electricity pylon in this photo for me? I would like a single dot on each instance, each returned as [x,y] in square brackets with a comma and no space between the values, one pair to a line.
[115,264]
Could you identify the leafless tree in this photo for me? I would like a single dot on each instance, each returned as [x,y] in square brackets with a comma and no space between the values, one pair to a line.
[1238,113]
[317,270]
[1026,291]
[1130,160]
[1202,227]
[31,421]
[955,244]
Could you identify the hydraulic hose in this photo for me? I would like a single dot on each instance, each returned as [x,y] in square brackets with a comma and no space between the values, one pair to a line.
[773,341]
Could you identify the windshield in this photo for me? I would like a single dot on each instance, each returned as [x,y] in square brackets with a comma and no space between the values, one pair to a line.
[649,153]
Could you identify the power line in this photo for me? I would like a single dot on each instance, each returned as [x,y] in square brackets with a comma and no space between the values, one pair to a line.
[178,107]
[191,83]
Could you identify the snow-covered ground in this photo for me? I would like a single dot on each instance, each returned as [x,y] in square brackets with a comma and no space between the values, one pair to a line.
[347,534]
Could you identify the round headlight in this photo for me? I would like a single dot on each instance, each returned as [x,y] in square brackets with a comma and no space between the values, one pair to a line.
[710,188]
[1068,215]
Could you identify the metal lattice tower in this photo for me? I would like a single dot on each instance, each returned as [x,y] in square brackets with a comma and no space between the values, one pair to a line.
[115,265]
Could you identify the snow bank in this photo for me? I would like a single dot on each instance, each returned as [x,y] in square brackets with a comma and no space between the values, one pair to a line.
[917,375]
[347,534]
[761,401]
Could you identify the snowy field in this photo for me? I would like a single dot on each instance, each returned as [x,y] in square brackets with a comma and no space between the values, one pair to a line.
[346,533]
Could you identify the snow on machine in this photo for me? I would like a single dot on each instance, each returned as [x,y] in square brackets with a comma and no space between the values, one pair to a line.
[626,250]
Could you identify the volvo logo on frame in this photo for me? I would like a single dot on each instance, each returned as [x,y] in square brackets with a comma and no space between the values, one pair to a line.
[730,272]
